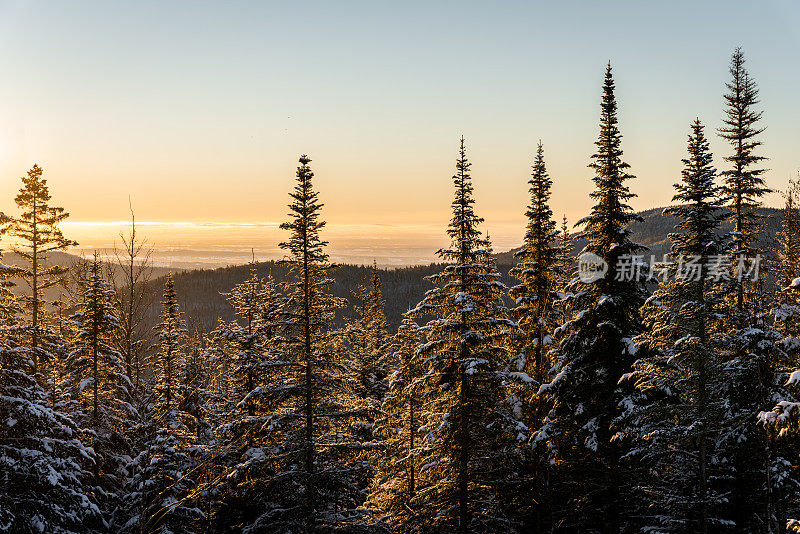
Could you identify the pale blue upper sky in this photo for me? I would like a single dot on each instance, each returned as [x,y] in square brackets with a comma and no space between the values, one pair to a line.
[199,110]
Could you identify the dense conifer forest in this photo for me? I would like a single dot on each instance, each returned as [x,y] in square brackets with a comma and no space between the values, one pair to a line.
[636,373]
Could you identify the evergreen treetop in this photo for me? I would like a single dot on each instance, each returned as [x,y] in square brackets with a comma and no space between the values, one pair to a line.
[743,181]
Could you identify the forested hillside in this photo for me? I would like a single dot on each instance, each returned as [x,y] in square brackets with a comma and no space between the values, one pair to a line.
[202,291]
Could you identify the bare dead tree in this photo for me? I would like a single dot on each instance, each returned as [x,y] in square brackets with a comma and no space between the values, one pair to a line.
[134,263]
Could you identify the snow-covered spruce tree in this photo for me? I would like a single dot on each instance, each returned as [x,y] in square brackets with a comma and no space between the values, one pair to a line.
[257,304]
[200,443]
[538,274]
[96,371]
[743,182]
[160,490]
[678,418]
[304,471]
[9,306]
[595,350]
[783,420]
[246,349]
[65,330]
[566,267]
[365,349]
[787,310]
[97,386]
[565,271]
[470,441]
[398,427]
[367,340]
[195,379]
[756,356]
[37,231]
[172,335]
[766,482]
[43,464]
[787,302]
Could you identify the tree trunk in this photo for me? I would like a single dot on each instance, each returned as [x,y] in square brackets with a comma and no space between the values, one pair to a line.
[702,399]
[411,446]
[463,452]
[309,381]
[95,402]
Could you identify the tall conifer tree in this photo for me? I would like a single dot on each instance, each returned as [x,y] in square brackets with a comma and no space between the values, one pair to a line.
[678,418]
[37,230]
[172,336]
[98,386]
[43,464]
[257,304]
[470,441]
[95,367]
[160,495]
[596,348]
[395,481]
[305,477]
[756,356]
[743,181]
[248,346]
[368,338]
[538,272]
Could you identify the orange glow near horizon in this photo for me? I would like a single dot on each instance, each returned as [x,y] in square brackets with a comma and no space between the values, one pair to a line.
[194,126]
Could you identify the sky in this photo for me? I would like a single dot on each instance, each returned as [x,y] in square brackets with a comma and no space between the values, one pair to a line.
[197,111]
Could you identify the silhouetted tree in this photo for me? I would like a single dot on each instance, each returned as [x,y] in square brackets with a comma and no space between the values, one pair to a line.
[37,230]
[596,349]
[471,435]
[679,416]
[744,182]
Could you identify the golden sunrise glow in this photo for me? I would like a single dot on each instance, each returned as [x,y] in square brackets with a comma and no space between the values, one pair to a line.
[192,129]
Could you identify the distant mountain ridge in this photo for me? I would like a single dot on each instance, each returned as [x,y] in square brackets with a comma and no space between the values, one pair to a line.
[200,291]
[654,229]
[69,260]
